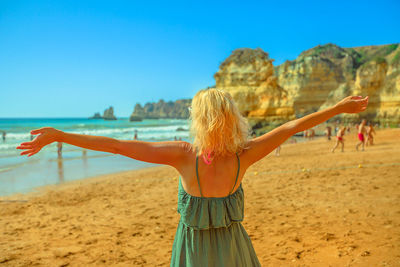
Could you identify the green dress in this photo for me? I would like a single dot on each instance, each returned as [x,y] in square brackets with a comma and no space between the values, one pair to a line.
[210,232]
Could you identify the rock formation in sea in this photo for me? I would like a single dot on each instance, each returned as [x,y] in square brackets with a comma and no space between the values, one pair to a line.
[162,110]
[109,114]
[318,78]
[96,116]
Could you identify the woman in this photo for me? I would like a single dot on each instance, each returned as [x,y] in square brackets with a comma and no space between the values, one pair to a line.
[210,198]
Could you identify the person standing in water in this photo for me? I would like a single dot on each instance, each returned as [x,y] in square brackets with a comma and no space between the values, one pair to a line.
[361,131]
[59,150]
[339,139]
[4,136]
[212,168]
[135,136]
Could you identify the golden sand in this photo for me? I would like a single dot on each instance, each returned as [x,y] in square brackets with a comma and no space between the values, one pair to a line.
[308,207]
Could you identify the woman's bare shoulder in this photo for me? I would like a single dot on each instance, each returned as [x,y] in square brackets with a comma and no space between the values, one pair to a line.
[186,146]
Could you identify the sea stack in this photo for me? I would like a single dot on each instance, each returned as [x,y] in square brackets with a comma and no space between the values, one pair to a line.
[96,116]
[109,114]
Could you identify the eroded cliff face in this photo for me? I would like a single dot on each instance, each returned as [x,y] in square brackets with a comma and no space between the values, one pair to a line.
[309,82]
[248,75]
[318,78]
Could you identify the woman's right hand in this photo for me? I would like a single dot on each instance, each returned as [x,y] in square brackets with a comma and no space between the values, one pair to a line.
[46,136]
[352,104]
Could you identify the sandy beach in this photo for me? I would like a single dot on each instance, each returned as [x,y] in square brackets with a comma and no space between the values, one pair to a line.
[308,207]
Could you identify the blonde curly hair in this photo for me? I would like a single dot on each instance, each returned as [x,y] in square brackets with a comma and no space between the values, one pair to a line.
[216,124]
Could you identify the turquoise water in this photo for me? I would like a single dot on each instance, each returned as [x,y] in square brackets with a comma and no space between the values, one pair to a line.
[19,174]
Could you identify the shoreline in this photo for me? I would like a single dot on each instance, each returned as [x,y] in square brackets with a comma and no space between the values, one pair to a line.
[306,207]
[41,190]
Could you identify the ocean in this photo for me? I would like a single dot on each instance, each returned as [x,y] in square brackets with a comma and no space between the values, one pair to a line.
[20,174]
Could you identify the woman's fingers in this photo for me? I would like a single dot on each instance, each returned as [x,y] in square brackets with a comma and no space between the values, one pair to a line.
[33,152]
[37,131]
[24,146]
[32,143]
[26,152]
[30,152]
[26,143]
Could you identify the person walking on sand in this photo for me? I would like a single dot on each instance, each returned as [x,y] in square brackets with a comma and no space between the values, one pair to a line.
[339,139]
[361,131]
[370,137]
[210,194]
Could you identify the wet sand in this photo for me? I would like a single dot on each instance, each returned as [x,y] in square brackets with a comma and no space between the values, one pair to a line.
[308,207]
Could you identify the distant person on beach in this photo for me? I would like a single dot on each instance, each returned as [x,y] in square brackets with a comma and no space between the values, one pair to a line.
[278,151]
[4,136]
[59,150]
[361,138]
[339,139]
[370,133]
[210,198]
[337,125]
[32,136]
[311,134]
[305,134]
[135,136]
[328,132]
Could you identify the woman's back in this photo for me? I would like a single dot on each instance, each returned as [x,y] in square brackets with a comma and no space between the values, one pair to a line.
[216,179]
[210,232]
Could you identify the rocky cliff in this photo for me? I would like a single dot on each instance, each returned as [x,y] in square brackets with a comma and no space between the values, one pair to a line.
[162,109]
[318,78]
[249,76]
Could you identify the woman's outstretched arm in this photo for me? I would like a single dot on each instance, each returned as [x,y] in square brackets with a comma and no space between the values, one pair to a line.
[263,145]
[169,153]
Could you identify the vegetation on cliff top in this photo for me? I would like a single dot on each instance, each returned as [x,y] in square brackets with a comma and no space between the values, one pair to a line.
[244,56]
[356,57]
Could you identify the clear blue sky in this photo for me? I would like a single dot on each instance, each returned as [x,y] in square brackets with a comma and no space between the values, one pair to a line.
[73,58]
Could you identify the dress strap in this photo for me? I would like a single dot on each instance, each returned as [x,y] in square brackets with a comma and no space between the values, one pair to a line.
[237,174]
[197,174]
